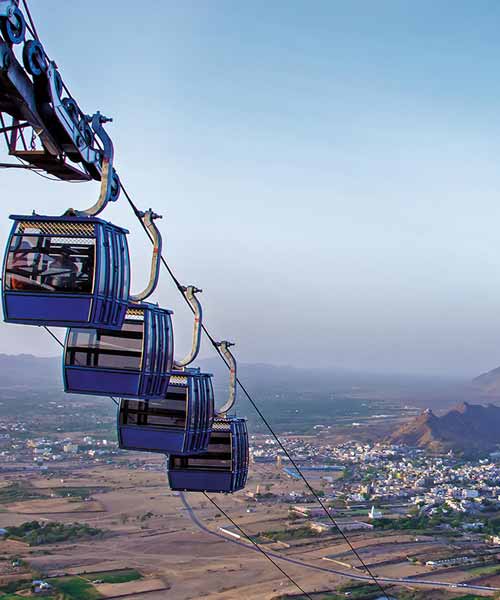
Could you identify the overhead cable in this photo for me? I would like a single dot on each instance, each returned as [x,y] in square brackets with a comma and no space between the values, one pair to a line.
[259,411]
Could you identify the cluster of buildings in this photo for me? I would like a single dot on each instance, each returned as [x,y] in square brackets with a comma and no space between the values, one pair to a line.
[387,475]
[401,474]
[383,473]
[46,449]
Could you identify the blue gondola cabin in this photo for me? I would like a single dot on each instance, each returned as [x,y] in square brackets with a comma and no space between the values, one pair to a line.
[181,423]
[223,468]
[133,362]
[66,272]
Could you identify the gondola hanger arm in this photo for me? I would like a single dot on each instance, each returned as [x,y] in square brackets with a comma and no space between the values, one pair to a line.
[110,182]
[231,363]
[148,218]
[190,294]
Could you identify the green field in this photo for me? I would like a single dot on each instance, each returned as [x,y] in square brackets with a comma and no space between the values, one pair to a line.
[37,533]
[485,570]
[80,493]
[468,597]
[13,596]
[406,595]
[18,492]
[75,588]
[285,535]
[119,576]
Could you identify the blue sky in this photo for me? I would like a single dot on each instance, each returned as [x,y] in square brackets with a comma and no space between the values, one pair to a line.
[328,172]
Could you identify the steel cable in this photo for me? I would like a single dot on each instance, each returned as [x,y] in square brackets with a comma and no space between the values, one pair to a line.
[240,384]
[266,423]
[269,558]
[54,336]
[259,412]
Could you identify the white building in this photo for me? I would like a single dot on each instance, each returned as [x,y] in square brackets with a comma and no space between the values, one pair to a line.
[470,493]
[375,513]
[70,448]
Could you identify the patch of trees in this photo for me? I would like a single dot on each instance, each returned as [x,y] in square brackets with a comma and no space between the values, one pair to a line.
[36,533]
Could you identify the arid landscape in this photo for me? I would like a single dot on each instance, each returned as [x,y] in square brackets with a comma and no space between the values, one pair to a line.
[149,530]
[90,521]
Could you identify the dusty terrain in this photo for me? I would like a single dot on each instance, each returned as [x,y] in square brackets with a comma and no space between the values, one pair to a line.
[149,528]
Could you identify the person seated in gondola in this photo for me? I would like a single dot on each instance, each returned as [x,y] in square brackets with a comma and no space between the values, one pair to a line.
[20,267]
[31,269]
[61,272]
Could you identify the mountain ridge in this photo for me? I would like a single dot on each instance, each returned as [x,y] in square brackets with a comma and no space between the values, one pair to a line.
[466,428]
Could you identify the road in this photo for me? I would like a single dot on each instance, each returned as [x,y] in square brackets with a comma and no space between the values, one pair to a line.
[349,575]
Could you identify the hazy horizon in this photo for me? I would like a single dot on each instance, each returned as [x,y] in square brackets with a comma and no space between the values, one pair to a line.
[328,173]
[203,359]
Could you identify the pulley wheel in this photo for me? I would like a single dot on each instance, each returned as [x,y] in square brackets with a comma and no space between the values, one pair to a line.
[59,83]
[86,132]
[73,111]
[14,27]
[5,58]
[34,58]
[115,187]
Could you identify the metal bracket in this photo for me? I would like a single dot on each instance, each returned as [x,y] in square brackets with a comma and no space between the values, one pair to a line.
[190,294]
[109,177]
[231,363]
[7,8]
[148,219]
[99,164]
[110,183]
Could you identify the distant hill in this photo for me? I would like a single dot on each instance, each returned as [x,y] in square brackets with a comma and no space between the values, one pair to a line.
[27,371]
[466,428]
[489,383]
[293,399]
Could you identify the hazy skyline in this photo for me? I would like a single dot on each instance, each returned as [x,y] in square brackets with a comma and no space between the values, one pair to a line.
[328,173]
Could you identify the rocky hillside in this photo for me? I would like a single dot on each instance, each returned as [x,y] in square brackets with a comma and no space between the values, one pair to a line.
[489,383]
[468,428]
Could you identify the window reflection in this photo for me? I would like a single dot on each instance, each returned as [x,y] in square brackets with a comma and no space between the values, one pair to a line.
[50,264]
[170,412]
[105,348]
[217,457]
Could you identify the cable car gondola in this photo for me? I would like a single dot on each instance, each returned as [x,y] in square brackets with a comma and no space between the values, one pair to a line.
[70,271]
[134,361]
[181,422]
[224,465]
[223,468]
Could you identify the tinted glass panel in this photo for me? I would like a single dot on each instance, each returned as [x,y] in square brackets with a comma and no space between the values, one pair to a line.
[150,338]
[50,264]
[197,406]
[217,458]
[119,264]
[170,412]
[104,263]
[106,349]
[126,267]
[170,350]
[110,279]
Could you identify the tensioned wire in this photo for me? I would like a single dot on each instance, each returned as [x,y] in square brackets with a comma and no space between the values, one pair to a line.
[289,577]
[252,541]
[266,423]
[257,409]
[54,336]
[240,384]
[263,419]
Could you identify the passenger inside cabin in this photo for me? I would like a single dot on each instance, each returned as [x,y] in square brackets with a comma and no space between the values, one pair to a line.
[38,265]
[61,272]
[20,267]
